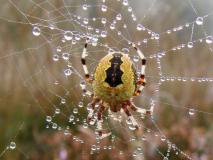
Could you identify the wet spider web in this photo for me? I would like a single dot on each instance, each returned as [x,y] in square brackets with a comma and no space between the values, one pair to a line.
[176,38]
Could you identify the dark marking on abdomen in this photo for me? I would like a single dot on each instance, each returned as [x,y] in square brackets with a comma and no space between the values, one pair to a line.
[114,73]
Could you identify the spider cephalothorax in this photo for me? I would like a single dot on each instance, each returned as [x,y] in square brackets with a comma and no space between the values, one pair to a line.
[114,84]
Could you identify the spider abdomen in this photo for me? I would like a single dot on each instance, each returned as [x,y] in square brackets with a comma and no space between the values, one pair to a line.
[114,78]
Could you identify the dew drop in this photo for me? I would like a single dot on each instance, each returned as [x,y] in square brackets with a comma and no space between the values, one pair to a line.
[163,138]
[103,8]
[135,58]
[140,27]
[58,49]
[12,145]
[55,57]
[118,17]
[103,20]
[85,125]
[104,34]
[57,111]
[84,6]
[68,35]
[67,72]
[80,104]
[209,39]
[65,56]
[75,110]
[112,26]
[48,118]
[199,21]
[36,31]
[71,118]
[63,101]
[93,147]
[77,37]
[125,2]
[54,126]
[191,111]
[190,45]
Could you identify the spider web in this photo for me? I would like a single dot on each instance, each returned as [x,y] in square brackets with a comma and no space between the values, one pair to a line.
[176,38]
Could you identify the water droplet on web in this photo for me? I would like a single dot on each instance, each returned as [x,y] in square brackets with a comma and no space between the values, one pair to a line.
[163,138]
[140,27]
[57,111]
[112,26]
[55,57]
[157,36]
[71,118]
[125,2]
[65,56]
[67,72]
[85,125]
[12,145]
[103,20]
[135,58]
[103,8]
[165,158]
[143,138]
[75,110]
[54,125]
[118,17]
[209,39]
[84,6]
[77,37]
[51,26]
[93,147]
[190,45]
[68,35]
[63,101]
[199,20]
[103,34]
[48,118]
[191,111]
[36,31]
[58,49]
[86,21]
[80,104]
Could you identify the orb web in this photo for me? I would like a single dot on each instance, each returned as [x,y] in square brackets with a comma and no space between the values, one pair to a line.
[176,38]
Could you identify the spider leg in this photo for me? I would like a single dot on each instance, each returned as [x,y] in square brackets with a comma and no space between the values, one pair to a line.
[100,123]
[140,110]
[132,119]
[100,119]
[141,83]
[92,108]
[83,61]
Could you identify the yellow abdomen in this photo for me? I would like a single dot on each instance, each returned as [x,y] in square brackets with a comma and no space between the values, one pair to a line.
[114,78]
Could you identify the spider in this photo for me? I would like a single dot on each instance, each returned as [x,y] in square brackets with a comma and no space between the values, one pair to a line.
[114,85]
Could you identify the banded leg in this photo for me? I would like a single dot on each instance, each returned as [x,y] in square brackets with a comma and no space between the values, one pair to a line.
[140,110]
[141,83]
[83,61]
[132,119]
[100,119]
[92,108]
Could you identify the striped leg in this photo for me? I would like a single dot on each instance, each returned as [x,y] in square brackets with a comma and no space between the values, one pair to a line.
[83,61]
[132,119]
[141,83]
[92,108]
[140,110]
